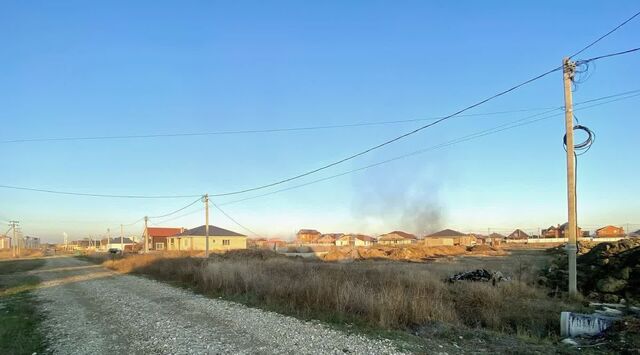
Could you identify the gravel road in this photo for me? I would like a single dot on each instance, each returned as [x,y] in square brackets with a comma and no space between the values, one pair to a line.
[91,310]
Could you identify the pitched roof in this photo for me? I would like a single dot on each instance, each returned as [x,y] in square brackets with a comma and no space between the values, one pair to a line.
[518,234]
[446,233]
[213,231]
[404,235]
[308,231]
[164,231]
[365,238]
[496,235]
[599,229]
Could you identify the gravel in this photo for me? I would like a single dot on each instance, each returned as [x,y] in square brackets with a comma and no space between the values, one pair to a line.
[91,310]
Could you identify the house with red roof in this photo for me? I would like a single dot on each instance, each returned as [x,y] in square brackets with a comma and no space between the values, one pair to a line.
[158,236]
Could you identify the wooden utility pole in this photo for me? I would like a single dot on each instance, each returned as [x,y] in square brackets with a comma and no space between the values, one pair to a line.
[569,68]
[146,235]
[206,225]
[122,238]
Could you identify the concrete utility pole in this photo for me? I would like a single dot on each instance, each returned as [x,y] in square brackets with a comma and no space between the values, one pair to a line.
[206,225]
[122,238]
[146,235]
[108,239]
[14,241]
[569,69]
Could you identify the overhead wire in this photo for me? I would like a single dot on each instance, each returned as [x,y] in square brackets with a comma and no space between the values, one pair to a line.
[497,129]
[234,220]
[605,35]
[390,141]
[266,130]
[178,210]
[219,195]
[58,192]
[177,217]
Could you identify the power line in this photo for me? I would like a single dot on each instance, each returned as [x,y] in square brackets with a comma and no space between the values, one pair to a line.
[623,96]
[607,56]
[255,131]
[234,221]
[178,217]
[95,195]
[605,35]
[393,140]
[178,210]
[390,141]
[497,129]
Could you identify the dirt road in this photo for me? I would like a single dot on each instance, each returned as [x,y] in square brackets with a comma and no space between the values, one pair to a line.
[91,310]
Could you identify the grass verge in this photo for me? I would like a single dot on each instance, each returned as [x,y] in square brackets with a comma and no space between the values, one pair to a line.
[19,317]
[400,299]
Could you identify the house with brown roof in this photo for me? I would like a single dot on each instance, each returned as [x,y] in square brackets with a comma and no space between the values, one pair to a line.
[158,236]
[355,240]
[518,234]
[610,232]
[558,231]
[329,238]
[219,239]
[307,236]
[448,237]
[397,238]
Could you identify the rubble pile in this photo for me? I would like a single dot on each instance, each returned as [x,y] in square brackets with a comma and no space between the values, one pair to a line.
[607,272]
[481,275]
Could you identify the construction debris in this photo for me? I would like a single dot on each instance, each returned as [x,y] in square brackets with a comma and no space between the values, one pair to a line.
[479,275]
[607,272]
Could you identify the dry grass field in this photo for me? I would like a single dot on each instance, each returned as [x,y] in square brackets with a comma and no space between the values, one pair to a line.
[382,294]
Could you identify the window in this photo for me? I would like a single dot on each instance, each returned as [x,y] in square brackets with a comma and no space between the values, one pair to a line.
[159,246]
[226,242]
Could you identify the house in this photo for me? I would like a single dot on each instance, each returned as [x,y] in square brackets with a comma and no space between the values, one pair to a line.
[330,238]
[307,236]
[5,242]
[558,231]
[635,234]
[449,237]
[355,240]
[610,232]
[264,243]
[158,236]
[195,239]
[126,244]
[518,234]
[397,238]
[364,240]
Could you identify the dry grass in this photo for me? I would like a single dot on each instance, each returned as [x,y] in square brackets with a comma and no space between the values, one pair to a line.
[391,295]
[24,253]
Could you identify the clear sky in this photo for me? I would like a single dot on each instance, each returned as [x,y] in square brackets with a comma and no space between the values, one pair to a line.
[78,68]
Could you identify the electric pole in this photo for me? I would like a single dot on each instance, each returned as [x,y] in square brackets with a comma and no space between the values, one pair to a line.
[106,246]
[14,241]
[146,235]
[122,238]
[569,68]
[206,225]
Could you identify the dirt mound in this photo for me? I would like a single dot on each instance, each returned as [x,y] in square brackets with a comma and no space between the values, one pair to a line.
[607,272]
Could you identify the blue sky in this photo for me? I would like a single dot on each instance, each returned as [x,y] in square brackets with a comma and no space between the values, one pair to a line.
[76,68]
